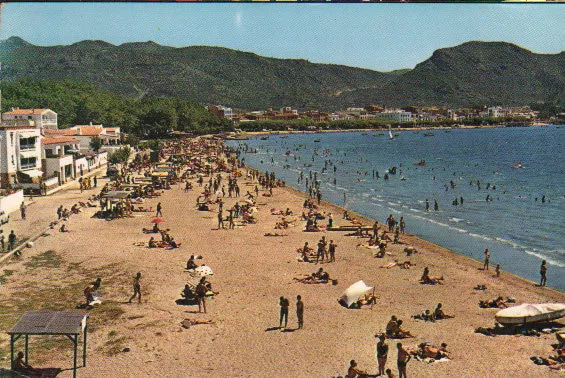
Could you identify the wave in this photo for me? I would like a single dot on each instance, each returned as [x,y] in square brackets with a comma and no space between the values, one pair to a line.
[415,211]
[480,236]
[542,256]
[456,220]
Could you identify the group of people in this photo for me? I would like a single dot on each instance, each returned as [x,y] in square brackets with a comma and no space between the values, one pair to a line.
[283,316]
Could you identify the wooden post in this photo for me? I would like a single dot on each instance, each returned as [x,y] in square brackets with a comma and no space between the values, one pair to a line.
[84,347]
[75,341]
[12,352]
[26,348]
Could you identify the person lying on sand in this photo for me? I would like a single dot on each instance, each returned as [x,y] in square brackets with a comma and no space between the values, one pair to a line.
[187,323]
[426,350]
[153,230]
[319,277]
[426,316]
[495,303]
[402,265]
[274,234]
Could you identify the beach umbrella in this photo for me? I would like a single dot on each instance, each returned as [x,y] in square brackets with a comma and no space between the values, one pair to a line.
[203,271]
[158,220]
[353,292]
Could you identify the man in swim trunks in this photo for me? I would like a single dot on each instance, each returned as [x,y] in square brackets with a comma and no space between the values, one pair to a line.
[402,361]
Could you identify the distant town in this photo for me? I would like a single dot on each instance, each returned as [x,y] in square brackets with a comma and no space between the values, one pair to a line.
[406,117]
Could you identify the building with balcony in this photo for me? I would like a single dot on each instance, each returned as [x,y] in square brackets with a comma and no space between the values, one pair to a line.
[20,153]
[58,157]
[42,118]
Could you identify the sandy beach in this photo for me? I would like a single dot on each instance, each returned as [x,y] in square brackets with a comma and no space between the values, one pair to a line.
[251,272]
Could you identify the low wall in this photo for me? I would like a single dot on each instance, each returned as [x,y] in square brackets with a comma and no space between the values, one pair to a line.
[11,202]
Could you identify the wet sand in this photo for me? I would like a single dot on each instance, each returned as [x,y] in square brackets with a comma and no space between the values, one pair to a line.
[251,271]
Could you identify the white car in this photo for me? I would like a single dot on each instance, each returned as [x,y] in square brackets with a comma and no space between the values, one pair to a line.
[4,218]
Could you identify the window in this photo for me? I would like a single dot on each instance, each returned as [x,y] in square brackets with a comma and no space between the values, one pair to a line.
[26,163]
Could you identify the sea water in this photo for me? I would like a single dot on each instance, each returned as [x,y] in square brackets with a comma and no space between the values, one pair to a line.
[518,228]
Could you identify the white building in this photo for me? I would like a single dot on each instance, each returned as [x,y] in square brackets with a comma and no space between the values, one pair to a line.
[42,118]
[20,152]
[110,136]
[58,160]
[395,115]
[222,111]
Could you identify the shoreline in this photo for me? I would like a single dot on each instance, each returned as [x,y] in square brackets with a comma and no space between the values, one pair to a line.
[429,128]
[445,252]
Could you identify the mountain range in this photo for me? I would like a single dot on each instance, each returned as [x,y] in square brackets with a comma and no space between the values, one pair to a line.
[473,73]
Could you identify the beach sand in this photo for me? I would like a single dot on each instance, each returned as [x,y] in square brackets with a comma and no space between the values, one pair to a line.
[251,271]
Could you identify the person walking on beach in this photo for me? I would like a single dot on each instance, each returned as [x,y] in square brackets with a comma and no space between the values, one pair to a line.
[402,361]
[283,302]
[330,220]
[11,240]
[382,354]
[136,287]
[159,210]
[23,211]
[402,225]
[331,249]
[300,311]
[427,205]
[95,181]
[487,258]
[60,212]
[220,220]
[542,272]
[200,291]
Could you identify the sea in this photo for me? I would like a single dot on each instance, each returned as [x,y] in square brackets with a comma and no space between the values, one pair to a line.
[520,169]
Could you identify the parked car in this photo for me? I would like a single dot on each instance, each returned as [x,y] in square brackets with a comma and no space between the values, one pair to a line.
[4,218]
[112,172]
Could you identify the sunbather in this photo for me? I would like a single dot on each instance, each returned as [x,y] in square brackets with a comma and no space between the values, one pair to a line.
[20,366]
[439,314]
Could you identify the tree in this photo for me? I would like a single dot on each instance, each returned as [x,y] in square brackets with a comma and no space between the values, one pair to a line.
[95,143]
[121,156]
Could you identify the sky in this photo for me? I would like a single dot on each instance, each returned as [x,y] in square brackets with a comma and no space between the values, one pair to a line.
[376,36]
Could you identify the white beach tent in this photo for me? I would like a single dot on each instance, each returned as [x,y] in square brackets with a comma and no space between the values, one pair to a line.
[530,313]
[353,292]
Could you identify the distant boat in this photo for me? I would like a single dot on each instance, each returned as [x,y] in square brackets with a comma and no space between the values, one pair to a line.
[421,163]
[390,136]
[316,140]
[379,134]
[264,138]
[518,165]
[284,136]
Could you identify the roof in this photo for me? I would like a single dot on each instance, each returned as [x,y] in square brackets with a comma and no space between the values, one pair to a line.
[26,111]
[58,140]
[87,130]
[56,132]
[117,194]
[50,323]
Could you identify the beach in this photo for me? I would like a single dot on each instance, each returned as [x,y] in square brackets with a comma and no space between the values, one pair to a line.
[251,272]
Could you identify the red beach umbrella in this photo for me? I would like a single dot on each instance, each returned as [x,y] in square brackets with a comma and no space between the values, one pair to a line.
[158,220]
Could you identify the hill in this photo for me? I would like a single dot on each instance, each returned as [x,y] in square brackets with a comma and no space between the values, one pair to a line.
[464,75]
[208,75]
[477,73]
